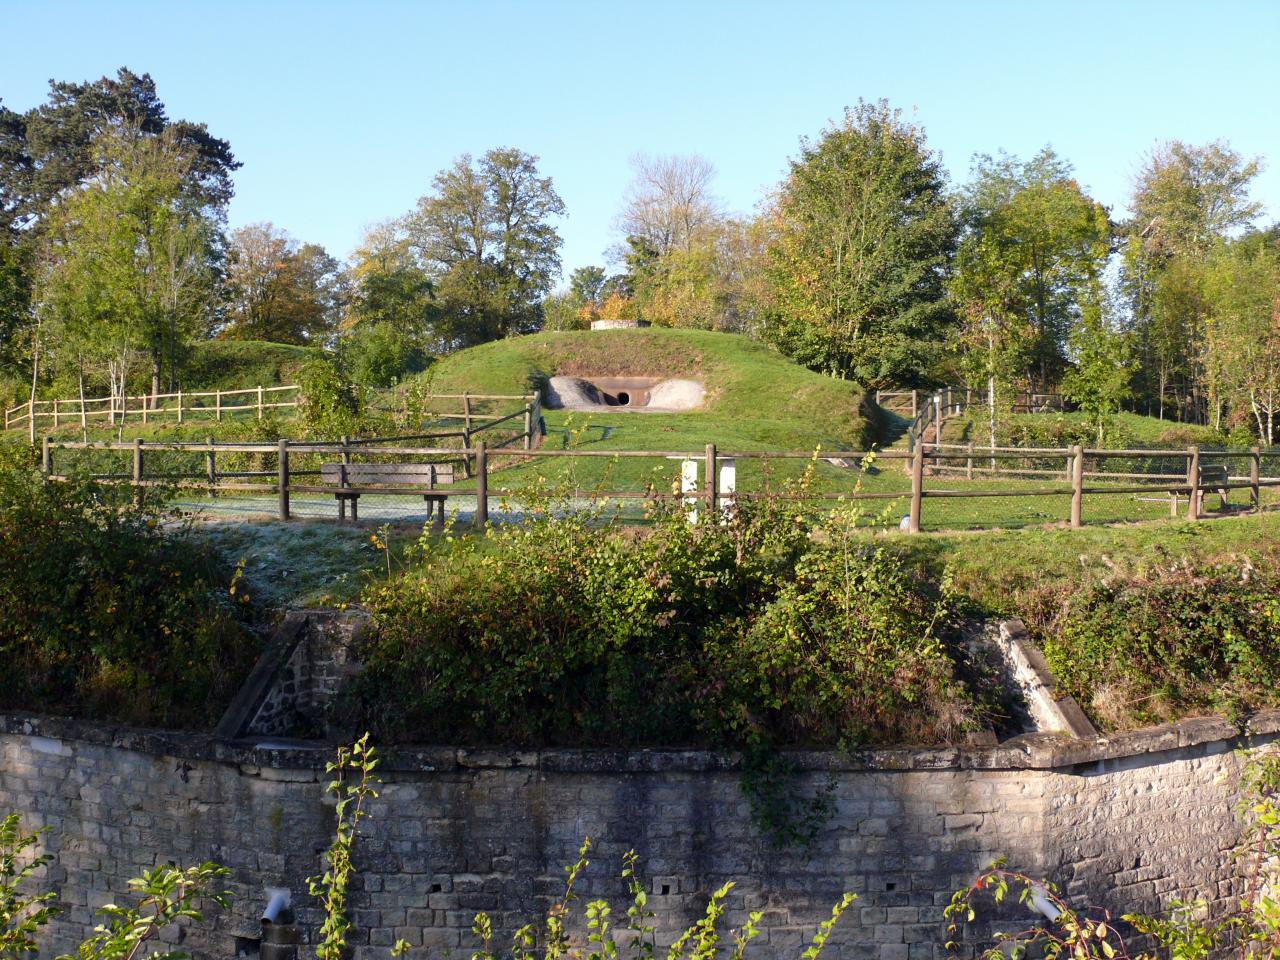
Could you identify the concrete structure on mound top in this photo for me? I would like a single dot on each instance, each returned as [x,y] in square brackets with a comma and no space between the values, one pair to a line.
[618,324]
[1131,821]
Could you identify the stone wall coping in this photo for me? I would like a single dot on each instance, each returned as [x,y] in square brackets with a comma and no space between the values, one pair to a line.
[1038,751]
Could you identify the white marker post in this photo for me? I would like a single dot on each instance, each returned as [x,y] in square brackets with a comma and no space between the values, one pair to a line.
[728,487]
[689,487]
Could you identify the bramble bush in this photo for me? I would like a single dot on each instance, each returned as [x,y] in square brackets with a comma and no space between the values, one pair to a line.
[107,608]
[766,630]
[1146,647]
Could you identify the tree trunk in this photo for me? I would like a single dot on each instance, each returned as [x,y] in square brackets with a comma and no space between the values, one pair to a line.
[35,378]
[84,420]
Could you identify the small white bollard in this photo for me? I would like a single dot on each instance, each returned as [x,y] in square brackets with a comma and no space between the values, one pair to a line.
[728,487]
[689,485]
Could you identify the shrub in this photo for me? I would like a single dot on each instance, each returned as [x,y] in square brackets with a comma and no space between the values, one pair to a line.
[331,404]
[379,355]
[1061,430]
[107,607]
[558,630]
[1140,648]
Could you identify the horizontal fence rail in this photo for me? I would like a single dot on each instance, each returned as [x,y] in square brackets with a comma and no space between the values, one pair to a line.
[148,407]
[709,478]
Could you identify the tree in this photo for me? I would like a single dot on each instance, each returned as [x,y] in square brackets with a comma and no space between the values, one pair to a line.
[391,288]
[53,148]
[1032,222]
[564,310]
[131,261]
[1242,338]
[669,201]
[1186,197]
[1100,378]
[861,248]
[56,150]
[1186,200]
[587,284]
[280,290]
[486,240]
[716,282]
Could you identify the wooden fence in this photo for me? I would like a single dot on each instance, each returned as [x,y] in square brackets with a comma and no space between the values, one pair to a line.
[214,405]
[1205,470]
[908,403]
[210,404]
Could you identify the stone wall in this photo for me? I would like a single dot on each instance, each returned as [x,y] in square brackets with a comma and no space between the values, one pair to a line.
[302,679]
[1133,821]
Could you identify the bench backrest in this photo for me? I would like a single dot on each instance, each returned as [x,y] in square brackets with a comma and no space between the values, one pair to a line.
[411,474]
[1213,474]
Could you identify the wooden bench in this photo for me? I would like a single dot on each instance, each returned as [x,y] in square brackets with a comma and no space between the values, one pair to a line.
[351,480]
[1214,478]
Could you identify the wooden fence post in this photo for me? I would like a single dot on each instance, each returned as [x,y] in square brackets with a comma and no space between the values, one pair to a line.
[917,488]
[1255,475]
[46,457]
[1077,486]
[528,424]
[1193,478]
[482,486]
[259,401]
[466,412]
[211,466]
[179,405]
[968,465]
[137,469]
[282,474]
[710,478]
[915,404]
[217,404]
[55,413]
[31,421]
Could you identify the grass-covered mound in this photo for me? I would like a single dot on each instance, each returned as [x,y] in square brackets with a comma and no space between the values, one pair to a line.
[241,364]
[762,632]
[106,611]
[755,397]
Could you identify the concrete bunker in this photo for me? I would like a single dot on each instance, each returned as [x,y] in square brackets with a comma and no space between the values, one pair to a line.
[624,393]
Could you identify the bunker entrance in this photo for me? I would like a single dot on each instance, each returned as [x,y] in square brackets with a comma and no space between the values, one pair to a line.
[623,393]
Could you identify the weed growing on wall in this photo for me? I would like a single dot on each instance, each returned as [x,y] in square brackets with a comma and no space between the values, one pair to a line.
[164,897]
[22,914]
[1187,931]
[353,785]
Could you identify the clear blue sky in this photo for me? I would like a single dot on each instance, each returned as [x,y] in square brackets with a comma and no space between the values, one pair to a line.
[342,113]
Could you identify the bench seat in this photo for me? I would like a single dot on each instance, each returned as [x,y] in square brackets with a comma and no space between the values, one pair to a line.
[350,481]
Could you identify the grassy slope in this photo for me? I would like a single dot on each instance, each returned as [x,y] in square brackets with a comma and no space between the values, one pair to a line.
[756,400]
[239,364]
[755,396]
[998,568]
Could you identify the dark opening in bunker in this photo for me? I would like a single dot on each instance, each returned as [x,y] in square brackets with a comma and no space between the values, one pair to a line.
[624,398]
